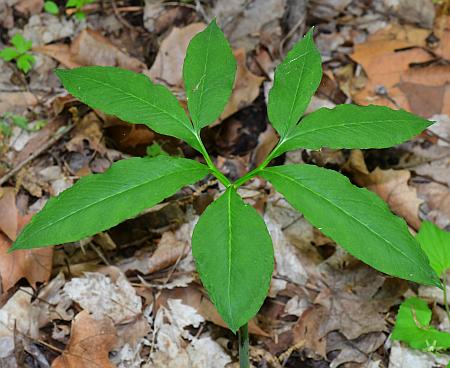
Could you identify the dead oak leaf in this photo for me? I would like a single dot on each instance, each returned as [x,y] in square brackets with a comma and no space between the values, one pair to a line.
[8,212]
[90,48]
[90,343]
[34,264]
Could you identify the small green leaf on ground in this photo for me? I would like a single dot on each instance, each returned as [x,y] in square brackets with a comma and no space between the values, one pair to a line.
[435,242]
[413,327]
[234,256]
[51,7]
[8,54]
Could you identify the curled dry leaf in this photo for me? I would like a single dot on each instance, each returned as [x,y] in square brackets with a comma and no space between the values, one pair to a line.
[90,342]
[90,48]
[392,186]
[168,64]
[35,264]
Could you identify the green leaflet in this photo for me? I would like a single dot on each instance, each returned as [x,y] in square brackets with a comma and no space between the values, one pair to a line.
[351,126]
[98,202]
[355,218]
[296,79]
[435,242]
[234,256]
[131,97]
[413,327]
[209,70]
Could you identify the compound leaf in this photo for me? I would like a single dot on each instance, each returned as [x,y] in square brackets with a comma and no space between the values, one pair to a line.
[131,97]
[355,218]
[98,202]
[25,62]
[209,70]
[234,256]
[351,126]
[295,82]
[413,327]
[435,242]
[20,43]
[8,53]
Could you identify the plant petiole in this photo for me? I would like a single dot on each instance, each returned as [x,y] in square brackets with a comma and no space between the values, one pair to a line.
[214,170]
[244,361]
[444,284]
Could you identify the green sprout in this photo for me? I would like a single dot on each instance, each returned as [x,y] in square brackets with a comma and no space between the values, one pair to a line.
[19,53]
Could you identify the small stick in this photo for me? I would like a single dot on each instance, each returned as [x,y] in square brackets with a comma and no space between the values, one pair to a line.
[61,132]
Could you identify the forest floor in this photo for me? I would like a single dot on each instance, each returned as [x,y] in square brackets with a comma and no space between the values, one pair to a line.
[130,297]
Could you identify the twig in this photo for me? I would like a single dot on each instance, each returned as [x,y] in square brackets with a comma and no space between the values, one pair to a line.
[61,132]
[119,16]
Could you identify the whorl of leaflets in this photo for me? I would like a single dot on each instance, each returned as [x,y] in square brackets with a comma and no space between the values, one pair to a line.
[231,244]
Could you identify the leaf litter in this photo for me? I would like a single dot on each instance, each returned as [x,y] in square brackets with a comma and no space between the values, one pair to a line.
[130,297]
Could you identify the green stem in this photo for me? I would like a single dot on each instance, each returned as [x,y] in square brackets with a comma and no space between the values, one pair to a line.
[244,361]
[214,170]
[444,282]
[261,167]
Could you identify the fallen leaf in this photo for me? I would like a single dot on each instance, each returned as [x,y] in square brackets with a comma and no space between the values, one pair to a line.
[193,296]
[247,23]
[16,102]
[246,87]
[34,264]
[19,314]
[90,48]
[392,186]
[90,343]
[104,297]
[8,212]
[167,67]
[29,7]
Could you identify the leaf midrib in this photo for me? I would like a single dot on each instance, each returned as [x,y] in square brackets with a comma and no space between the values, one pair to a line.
[300,133]
[230,242]
[183,124]
[107,198]
[348,214]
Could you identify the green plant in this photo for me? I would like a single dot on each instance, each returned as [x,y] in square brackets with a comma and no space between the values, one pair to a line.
[78,5]
[8,120]
[19,53]
[231,244]
[51,7]
[414,316]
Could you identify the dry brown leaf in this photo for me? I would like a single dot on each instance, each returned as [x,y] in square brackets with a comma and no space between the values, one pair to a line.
[167,67]
[246,87]
[29,7]
[391,185]
[16,101]
[35,264]
[8,212]
[89,345]
[90,48]
[437,198]
[194,297]
[356,300]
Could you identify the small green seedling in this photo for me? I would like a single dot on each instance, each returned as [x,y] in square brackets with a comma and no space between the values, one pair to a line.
[8,120]
[155,149]
[19,53]
[78,5]
[231,244]
[51,7]
[413,319]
